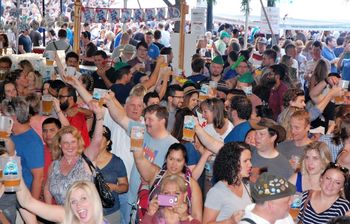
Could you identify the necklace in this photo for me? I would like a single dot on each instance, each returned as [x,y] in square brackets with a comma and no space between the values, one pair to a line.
[70,161]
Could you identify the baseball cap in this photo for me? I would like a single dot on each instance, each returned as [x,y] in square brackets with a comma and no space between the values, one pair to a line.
[262,40]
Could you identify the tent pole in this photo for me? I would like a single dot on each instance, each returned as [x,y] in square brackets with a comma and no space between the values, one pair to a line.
[77,12]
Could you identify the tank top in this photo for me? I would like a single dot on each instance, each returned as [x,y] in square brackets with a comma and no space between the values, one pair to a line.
[59,183]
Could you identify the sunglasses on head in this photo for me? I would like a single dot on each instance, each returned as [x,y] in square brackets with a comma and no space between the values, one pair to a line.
[338,166]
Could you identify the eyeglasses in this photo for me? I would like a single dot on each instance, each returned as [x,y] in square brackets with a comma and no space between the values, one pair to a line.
[338,166]
[61,96]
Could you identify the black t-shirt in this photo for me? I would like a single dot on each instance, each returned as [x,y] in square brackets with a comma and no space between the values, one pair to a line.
[98,81]
[121,91]
[90,51]
[159,45]
[36,38]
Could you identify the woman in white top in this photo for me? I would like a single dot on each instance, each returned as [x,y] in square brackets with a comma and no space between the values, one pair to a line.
[218,125]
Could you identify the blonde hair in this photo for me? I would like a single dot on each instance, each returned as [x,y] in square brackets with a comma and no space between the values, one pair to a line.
[176,179]
[56,150]
[284,120]
[322,149]
[94,198]
[138,90]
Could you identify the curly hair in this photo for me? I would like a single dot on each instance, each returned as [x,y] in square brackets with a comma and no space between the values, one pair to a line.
[56,150]
[227,164]
[291,95]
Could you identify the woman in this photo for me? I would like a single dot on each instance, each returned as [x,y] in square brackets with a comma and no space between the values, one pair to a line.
[114,173]
[315,159]
[9,90]
[5,43]
[319,206]
[341,138]
[68,166]
[196,158]
[319,74]
[217,124]
[344,61]
[191,95]
[82,205]
[28,69]
[175,163]
[156,213]
[230,194]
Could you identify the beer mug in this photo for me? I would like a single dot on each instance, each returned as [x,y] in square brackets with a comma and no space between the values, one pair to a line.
[11,173]
[204,93]
[136,138]
[214,86]
[50,57]
[344,84]
[71,71]
[98,94]
[188,129]
[6,124]
[295,206]
[47,104]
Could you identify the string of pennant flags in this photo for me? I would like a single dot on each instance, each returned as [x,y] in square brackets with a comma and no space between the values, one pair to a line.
[113,15]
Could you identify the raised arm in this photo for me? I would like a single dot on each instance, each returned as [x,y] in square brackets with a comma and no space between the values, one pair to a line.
[116,110]
[154,76]
[63,119]
[94,148]
[73,81]
[207,140]
[315,92]
[147,169]
[52,213]
[164,85]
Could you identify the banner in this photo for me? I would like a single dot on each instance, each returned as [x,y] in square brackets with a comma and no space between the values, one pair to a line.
[101,15]
[88,15]
[138,15]
[150,14]
[173,13]
[114,15]
[160,13]
[126,15]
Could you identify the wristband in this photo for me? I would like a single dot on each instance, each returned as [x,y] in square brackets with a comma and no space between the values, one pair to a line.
[326,81]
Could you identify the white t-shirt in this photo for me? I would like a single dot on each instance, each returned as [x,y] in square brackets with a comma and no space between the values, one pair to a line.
[209,128]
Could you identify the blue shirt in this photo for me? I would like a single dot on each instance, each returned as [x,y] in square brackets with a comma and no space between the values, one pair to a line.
[31,150]
[238,133]
[26,42]
[153,51]
[197,78]
[193,155]
[117,39]
[345,68]
[121,91]
[330,56]
[111,172]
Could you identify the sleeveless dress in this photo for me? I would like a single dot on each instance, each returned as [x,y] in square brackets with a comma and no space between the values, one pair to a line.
[59,183]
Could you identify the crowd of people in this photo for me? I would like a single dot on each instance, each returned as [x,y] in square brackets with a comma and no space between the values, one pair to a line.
[271,128]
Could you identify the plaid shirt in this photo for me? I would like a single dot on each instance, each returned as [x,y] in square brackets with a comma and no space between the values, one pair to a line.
[334,149]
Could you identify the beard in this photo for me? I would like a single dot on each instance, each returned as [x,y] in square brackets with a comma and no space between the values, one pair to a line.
[64,106]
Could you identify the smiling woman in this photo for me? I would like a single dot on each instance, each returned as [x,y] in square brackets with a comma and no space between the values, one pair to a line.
[82,205]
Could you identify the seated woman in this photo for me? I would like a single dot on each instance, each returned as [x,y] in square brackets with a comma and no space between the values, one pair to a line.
[175,163]
[314,161]
[230,194]
[320,206]
[157,212]
[82,205]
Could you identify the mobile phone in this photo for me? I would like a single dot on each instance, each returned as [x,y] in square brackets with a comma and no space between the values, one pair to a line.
[167,200]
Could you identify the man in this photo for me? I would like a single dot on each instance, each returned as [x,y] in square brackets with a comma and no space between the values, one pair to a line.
[141,58]
[316,55]
[328,53]
[24,42]
[240,112]
[88,50]
[274,79]
[35,35]
[151,98]
[221,44]
[293,149]
[60,44]
[122,85]
[126,54]
[70,111]
[174,100]
[50,127]
[273,204]
[125,38]
[301,59]
[55,86]
[69,33]
[5,64]
[291,51]
[153,50]
[197,66]
[245,83]
[216,68]
[269,58]
[157,38]
[27,143]
[257,56]
[165,37]
[156,140]
[266,155]
[105,75]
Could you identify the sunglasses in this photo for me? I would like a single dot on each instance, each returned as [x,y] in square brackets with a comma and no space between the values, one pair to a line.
[338,166]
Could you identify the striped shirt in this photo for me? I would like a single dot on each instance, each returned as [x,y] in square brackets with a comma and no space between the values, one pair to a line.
[338,208]
[333,148]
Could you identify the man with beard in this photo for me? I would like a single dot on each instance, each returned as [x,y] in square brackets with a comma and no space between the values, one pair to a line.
[274,79]
[69,110]
[216,68]
[174,100]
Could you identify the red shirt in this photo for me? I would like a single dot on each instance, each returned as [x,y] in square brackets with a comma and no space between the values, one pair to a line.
[47,161]
[276,99]
[78,121]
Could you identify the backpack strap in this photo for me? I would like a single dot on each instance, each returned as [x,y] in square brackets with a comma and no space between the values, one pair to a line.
[248,220]
[54,44]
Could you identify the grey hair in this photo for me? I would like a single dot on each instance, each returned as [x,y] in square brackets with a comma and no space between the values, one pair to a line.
[18,107]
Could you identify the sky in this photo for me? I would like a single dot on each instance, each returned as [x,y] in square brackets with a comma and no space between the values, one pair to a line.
[321,10]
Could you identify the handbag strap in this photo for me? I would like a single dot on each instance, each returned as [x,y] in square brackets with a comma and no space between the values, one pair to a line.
[248,220]
[54,44]
[88,161]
